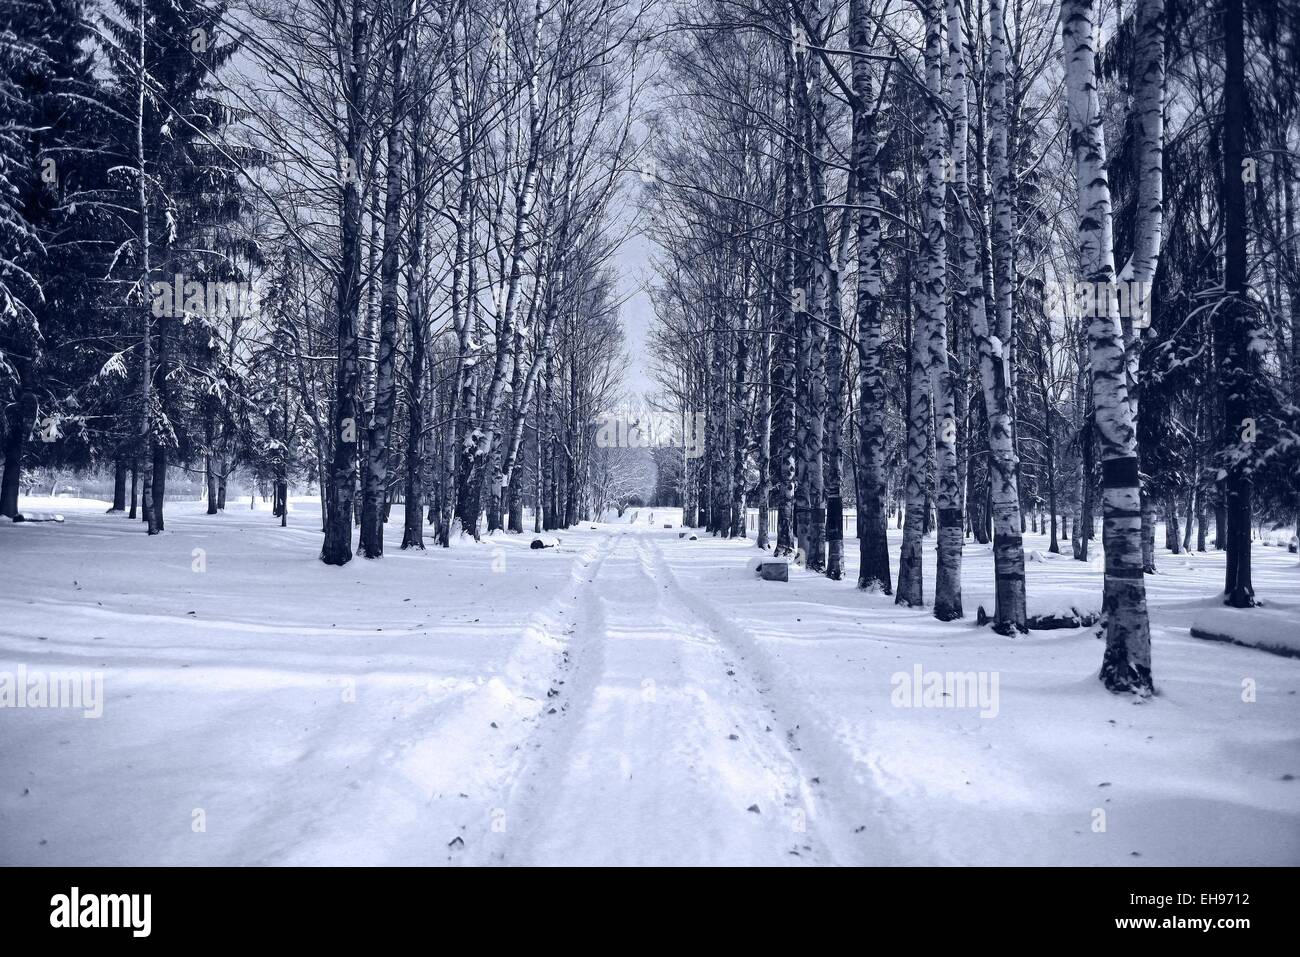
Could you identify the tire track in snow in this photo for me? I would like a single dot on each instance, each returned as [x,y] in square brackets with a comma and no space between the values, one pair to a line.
[544,754]
[661,754]
[514,707]
[439,775]
[849,805]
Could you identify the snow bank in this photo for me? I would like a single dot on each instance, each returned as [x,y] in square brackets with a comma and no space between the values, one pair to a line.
[58,503]
[29,516]
[1271,627]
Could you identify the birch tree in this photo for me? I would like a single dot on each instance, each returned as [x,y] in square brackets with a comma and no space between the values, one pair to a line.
[1126,664]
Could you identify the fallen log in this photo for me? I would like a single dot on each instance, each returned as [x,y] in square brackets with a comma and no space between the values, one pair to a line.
[1049,622]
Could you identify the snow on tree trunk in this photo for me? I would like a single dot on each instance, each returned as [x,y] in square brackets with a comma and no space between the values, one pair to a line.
[486,439]
[1235,321]
[146,276]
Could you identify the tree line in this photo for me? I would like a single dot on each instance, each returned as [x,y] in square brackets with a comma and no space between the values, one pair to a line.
[985,265]
[361,244]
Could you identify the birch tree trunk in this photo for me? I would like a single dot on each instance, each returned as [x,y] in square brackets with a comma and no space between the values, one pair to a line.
[1126,664]
[413,528]
[461,290]
[1004,499]
[934,263]
[738,443]
[818,246]
[834,468]
[337,546]
[994,357]
[486,440]
[379,438]
[784,342]
[919,415]
[763,497]
[873,545]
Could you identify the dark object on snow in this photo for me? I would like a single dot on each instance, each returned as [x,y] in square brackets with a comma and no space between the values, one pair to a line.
[544,543]
[773,571]
[1283,650]
[1076,619]
[667,526]
[681,534]
[37,517]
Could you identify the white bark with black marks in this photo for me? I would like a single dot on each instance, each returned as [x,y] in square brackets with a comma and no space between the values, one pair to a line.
[1126,665]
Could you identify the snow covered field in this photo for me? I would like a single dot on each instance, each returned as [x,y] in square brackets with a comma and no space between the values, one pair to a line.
[626,698]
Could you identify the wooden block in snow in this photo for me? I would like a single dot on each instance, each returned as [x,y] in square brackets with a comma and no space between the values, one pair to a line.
[773,571]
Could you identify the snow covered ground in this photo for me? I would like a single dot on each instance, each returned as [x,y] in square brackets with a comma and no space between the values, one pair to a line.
[628,697]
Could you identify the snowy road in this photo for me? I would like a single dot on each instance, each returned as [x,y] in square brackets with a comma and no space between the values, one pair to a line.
[664,749]
[628,697]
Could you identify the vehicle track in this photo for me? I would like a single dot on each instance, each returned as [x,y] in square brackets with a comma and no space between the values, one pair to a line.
[660,751]
[853,813]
